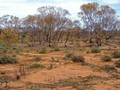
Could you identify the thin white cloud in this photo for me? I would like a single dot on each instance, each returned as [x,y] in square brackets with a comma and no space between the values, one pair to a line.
[15,7]
[13,1]
[110,1]
[22,8]
[72,6]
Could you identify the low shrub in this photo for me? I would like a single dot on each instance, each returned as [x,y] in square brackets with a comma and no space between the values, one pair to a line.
[95,50]
[56,49]
[42,50]
[6,59]
[69,55]
[37,58]
[78,58]
[106,58]
[116,54]
[109,68]
[117,63]
[81,49]
[37,65]
[17,51]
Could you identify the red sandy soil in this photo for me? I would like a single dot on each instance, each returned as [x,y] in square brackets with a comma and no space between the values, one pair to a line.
[62,70]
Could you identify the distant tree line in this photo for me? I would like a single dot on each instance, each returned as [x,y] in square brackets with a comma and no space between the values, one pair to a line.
[52,25]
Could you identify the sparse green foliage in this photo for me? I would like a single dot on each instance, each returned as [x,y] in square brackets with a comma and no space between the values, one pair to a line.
[106,58]
[109,68]
[95,50]
[69,55]
[78,58]
[116,54]
[1,44]
[33,86]
[81,49]
[17,50]
[37,58]
[117,63]
[37,65]
[42,50]
[56,49]
[6,59]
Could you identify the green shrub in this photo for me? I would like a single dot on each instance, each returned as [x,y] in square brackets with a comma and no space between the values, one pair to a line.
[109,68]
[116,54]
[42,50]
[95,50]
[56,49]
[78,58]
[106,58]
[1,44]
[37,58]
[6,59]
[69,55]
[81,49]
[37,65]
[117,63]
[17,51]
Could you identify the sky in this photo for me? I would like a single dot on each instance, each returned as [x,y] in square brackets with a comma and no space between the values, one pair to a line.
[22,8]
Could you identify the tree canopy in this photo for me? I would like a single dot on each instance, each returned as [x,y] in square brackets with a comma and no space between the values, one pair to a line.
[52,24]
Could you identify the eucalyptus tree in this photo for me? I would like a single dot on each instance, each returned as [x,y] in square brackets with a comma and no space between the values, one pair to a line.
[99,20]
[52,22]
[30,29]
[9,31]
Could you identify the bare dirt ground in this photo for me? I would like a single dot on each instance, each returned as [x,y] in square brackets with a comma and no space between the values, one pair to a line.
[59,73]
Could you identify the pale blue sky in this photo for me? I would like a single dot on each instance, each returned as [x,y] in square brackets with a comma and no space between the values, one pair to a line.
[22,8]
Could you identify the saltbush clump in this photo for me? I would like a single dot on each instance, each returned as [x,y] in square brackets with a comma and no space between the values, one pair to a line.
[109,68]
[78,58]
[42,50]
[69,55]
[37,65]
[37,58]
[116,54]
[95,50]
[117,63]
[6,59]
[106,58]
[56,49]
